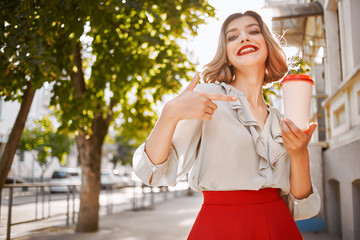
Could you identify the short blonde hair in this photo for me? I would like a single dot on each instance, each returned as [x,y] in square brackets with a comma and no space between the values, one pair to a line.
[219,71]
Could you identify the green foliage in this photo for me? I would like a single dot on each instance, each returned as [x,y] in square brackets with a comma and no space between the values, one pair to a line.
[105,59]
[43,138]
[271,91]
[298,66]
[130,55]
[30,32]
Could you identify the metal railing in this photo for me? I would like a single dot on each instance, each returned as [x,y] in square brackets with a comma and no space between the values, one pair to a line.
[39,193]
[142,197]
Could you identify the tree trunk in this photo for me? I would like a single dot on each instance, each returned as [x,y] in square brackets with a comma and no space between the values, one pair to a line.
[45,168]
[15,135]
[90,150]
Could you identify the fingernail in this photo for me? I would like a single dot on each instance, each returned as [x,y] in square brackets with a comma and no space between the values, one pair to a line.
[234,98]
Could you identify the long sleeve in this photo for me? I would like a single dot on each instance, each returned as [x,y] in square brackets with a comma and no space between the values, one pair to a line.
[223,155]
[182,155]
[304,208]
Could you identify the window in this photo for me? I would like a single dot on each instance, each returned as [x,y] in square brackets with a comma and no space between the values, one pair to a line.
[333,208]
[339,115]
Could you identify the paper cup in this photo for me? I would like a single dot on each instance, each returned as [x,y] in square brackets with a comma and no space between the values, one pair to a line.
[297,90]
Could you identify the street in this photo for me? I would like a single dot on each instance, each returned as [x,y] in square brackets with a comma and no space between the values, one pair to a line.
[25,209]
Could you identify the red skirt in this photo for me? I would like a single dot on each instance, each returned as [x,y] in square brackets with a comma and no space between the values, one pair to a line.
[245,215]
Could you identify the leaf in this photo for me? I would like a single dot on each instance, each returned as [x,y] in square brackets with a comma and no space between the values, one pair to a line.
[41,136]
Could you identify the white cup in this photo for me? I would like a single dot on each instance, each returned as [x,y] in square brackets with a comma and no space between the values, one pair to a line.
[297,90]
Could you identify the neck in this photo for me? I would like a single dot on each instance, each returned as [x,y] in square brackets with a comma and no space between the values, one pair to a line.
[251,81]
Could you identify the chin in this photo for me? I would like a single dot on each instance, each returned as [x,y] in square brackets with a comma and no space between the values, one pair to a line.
[247,61]
[249,64]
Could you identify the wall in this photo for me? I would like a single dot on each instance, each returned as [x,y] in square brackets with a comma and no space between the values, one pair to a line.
[341,160]
[342,174]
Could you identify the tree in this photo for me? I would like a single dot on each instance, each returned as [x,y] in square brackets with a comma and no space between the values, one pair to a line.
[26,62]
[112,59]
[43,139]
[298,65]
[268,91]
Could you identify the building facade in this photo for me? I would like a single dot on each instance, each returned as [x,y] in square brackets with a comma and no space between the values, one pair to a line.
[329,40]
[342,108]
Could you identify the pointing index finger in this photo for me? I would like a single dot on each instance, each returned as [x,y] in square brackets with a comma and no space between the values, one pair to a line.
[193,82]
[219,97]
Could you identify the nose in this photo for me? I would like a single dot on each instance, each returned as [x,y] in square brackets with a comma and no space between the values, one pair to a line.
[245,39]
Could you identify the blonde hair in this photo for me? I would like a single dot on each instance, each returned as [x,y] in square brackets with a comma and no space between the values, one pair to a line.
[218,69]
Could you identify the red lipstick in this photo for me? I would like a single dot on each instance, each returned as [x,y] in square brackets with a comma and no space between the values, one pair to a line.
[247,46]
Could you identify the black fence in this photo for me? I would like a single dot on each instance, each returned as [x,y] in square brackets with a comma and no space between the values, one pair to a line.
[114,198]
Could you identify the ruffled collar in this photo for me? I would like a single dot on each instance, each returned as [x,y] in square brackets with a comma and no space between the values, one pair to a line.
[245,117]
[271,149]
[242,106]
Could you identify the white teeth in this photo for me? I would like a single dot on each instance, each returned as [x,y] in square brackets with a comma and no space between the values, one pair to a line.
[249,49]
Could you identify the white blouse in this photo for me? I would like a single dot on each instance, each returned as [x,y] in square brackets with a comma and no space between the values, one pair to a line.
[230,152]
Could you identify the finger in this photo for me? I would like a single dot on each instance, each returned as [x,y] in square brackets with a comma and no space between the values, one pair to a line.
[311,129]
[286,140]
[193,82]
[289,142]
[297,131]
[212,105]
[287,131]
[218,97]
[209,110]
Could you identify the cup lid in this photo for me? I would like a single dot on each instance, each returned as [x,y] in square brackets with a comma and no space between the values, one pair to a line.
[297,77]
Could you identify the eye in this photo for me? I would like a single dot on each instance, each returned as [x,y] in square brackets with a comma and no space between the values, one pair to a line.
[232,37]
[253,32]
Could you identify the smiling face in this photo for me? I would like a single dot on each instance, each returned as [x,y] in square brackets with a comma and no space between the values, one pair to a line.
[245,44]
[263,50]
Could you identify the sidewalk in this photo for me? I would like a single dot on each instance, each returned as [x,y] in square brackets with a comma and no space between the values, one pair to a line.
[169,220]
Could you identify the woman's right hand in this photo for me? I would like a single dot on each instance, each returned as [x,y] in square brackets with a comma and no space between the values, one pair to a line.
[191,104]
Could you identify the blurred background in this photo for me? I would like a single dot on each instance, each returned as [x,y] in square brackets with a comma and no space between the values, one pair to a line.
[82,85]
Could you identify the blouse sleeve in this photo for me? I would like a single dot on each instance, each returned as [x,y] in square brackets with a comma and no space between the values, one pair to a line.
[304,208]
[182,155]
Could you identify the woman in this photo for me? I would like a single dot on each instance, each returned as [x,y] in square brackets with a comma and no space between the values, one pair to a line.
[251,164]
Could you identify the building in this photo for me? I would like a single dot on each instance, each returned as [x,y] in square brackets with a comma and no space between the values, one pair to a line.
[342,107]
[328,33]
[24,166]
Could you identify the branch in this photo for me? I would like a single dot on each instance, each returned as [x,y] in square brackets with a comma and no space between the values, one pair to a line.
[78,76]
[111,113]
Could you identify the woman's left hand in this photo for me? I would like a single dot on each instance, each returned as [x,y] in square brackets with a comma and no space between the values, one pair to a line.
[295,140]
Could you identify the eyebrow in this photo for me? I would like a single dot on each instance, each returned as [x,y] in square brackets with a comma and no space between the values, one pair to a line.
[247,26]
